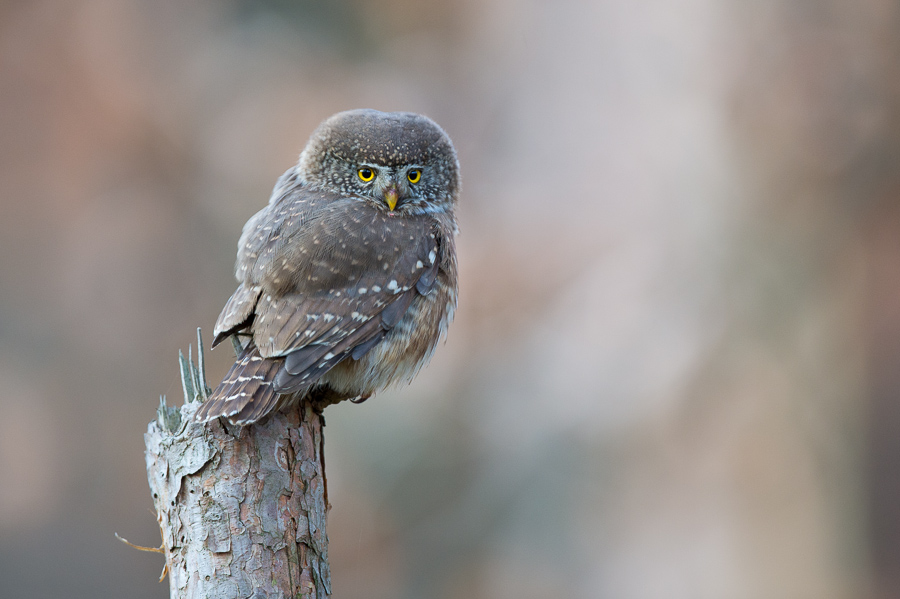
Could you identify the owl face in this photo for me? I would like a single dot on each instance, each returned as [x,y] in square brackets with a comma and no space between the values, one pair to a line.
[400,163]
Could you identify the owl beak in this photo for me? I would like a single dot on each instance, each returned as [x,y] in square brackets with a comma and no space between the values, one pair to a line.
[391,196]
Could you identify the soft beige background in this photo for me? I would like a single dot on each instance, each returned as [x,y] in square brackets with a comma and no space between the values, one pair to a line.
[676,364]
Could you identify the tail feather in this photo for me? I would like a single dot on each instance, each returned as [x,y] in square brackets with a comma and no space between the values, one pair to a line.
[246,393]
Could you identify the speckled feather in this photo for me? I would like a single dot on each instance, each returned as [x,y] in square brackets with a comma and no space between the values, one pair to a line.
[338,293]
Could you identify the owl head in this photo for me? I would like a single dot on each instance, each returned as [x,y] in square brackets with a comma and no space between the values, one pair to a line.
[399,162]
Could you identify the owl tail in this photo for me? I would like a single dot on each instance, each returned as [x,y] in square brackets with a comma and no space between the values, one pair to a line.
[246,393]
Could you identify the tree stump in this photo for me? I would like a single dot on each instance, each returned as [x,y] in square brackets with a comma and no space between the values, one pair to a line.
[241,509]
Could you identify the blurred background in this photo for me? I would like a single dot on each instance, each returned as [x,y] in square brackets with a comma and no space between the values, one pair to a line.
[675,367]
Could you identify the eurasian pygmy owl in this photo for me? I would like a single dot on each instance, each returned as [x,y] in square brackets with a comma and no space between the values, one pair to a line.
[348,276]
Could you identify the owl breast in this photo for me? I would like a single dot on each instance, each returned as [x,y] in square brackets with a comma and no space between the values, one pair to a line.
[406,348]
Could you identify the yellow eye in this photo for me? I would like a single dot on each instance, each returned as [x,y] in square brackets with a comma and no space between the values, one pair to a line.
[366,174]
[414,175]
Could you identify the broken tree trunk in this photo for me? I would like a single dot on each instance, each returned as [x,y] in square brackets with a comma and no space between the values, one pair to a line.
[241,509]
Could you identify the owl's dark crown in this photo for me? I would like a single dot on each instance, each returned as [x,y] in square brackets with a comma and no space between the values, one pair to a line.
[386,138]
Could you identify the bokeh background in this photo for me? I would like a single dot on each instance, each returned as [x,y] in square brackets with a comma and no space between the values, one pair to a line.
[675,367]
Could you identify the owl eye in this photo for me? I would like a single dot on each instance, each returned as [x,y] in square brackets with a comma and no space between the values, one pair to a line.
[366,174]
[414,175]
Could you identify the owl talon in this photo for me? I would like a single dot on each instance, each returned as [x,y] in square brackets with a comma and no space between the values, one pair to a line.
[361,398]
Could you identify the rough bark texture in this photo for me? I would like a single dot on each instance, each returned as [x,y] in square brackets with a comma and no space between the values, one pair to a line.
[242,510]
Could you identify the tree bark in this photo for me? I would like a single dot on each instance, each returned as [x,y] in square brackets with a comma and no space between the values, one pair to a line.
[241,509]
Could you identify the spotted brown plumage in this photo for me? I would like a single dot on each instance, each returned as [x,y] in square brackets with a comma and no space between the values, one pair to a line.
[339,294]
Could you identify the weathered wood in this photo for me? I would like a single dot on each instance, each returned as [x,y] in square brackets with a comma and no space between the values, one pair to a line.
[242,510]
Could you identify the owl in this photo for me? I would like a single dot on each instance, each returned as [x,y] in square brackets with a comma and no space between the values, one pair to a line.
[348,277]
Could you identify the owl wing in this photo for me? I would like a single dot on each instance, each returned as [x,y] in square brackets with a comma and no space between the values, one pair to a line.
[316,331]
[322,282]
[291,206]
